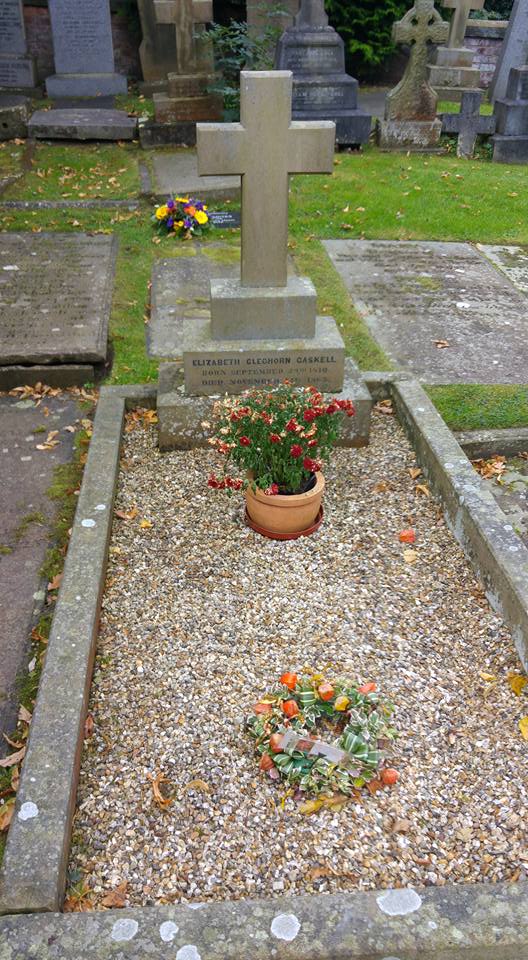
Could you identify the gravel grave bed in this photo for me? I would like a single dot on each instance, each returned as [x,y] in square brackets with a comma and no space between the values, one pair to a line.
[201,616]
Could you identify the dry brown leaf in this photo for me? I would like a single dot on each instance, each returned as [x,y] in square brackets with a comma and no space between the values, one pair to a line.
[55,583]
[146,524]
[410,556]
[13,759]
[6,813]
[88,726]
[384,406]
[24,715]
[382,486]
[517,682]
[423,489]
[127,514]
[316,873]
[199,785]
[373,786]
[117,897]
[157,781]
[15,779]
[441,344]
[401,826]
[414,472]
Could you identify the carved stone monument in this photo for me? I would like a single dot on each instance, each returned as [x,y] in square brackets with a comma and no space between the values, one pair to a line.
[187,97]
[83,50]
[17,68]
[514,50]
[510,143]
[157,50]
[322,90]
[453,69]
[468,123]
[410,109]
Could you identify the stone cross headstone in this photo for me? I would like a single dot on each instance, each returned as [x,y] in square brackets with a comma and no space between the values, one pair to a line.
[453,69]
[410,108]
[514,49]
[17,69]
[510,143]
[188,97]
[322,90]
[83,50]
[263,326]
[468,123]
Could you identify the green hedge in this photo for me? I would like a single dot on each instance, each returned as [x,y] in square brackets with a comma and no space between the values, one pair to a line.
[366,27]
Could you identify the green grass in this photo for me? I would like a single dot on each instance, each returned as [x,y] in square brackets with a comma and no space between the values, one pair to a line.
[479,407]
[11,155]
[135,104]
[450,106]
[85,171]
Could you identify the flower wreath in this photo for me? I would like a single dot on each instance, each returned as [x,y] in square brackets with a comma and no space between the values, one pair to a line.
[284,721]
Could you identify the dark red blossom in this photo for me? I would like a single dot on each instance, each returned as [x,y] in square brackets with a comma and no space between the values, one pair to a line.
[274,438]
[332,407]
[266,417]
[292,425]
[272,490]
[212,482]
[244,442]
[312,465]
[296,450]
[309,415]
[312,443]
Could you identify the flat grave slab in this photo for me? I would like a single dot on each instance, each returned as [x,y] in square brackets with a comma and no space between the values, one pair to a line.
[55,297]
[513,261]
[176,172]
[82,123]
[25,475]
[439,310]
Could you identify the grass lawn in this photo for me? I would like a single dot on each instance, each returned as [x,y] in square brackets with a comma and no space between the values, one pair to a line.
[11,155]
[369,195]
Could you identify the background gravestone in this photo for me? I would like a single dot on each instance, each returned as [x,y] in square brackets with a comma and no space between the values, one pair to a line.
[510,143]
[514,50]
[453,69]
[17,69]
[322,90]
[157,50]
[83,50]
[55,300]
[468,123]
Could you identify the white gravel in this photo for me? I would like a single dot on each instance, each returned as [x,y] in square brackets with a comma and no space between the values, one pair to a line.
[200,617]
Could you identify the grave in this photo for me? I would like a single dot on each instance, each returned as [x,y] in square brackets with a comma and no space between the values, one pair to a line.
[55,299]
[453,70]
[410,109]
[17,68]
[514,50]
[157,50]
[83,50]
[513,261]
[439,310]
[510,143]
[468,123]
[176,172]
[81,123]
[322,90]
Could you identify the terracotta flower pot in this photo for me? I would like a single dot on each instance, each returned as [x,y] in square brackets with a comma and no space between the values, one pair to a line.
[285,514]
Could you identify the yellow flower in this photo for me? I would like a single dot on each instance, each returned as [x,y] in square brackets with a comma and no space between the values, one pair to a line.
[182,199]
[162,212]
[179,223]
[201,217]
[341,703]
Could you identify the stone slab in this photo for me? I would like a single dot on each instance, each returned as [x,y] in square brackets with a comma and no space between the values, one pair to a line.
[177,173]
[180,417]
[232,366]
[64,375]
[33,873]
[508,442]
[508,149]
[14,116]
[246,313]
[153,134]
[79,123]
[83,49]
[513,261]
[55,297]
[408,134]
[25,475]
[17,72]
[412,294]
[454,922]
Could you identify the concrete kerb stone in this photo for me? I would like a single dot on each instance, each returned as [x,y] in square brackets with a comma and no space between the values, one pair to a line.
[455,922]
[33,874]
[478,444]
[497,554]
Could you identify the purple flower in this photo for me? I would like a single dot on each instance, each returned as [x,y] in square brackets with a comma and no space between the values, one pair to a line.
[170,204]
[188,222]
[199,205]
[170,222]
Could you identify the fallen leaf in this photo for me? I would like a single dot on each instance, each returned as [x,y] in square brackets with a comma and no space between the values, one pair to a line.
[401,826]
[441,344]
[13,759]
[382,486]
[6,813]
[55,583]
[373,786]
[407,536]
[89,726]
[423,489]
[517,682]
[24,715]
[146,524]
[199,785]
[487,677]
[410,556]
[384,406]
[523,727]
[162,801]
[316,873]
[311,806]
[117,897]
[127,514]
[414,472]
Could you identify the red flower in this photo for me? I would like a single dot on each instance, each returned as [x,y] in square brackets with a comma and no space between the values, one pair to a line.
[292,425]
[223,448]
[244,442]
[309,415]
[346,406]
[236,484]
[212,482]
[266,417]
[274,438]
[235,416]
[312,443]
[319,411]
[312,465]
[332,407]
[272,491]
[296,450]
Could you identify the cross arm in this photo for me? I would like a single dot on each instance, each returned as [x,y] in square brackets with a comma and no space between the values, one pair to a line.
[221,148]
[311,146]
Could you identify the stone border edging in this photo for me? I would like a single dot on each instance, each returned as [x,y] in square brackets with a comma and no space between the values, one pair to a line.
[508,442]
[33,873]
[496,553]
[454,922]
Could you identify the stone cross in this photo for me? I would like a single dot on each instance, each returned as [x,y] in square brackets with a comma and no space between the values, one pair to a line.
[414,98]
[311,14]
[264,148]
[183,14]
[457,27]
[468,123]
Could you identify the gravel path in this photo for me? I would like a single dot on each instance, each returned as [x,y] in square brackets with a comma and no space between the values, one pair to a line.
[201,615]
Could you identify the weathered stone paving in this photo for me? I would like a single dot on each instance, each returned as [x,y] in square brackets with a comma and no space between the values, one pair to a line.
[439,310]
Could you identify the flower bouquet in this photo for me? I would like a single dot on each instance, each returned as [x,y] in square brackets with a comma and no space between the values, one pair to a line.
[182,217]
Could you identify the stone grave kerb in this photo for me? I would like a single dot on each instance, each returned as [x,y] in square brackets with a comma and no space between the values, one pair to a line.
[468,123]
[413,98]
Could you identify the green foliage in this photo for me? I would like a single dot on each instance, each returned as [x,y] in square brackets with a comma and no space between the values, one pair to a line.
[366,29]
[494,10]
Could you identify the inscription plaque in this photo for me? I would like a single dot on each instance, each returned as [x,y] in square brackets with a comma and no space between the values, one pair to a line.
[55,297]
[83,50]
[12,32]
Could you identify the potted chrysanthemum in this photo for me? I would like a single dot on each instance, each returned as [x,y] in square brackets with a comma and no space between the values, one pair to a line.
[278,438]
